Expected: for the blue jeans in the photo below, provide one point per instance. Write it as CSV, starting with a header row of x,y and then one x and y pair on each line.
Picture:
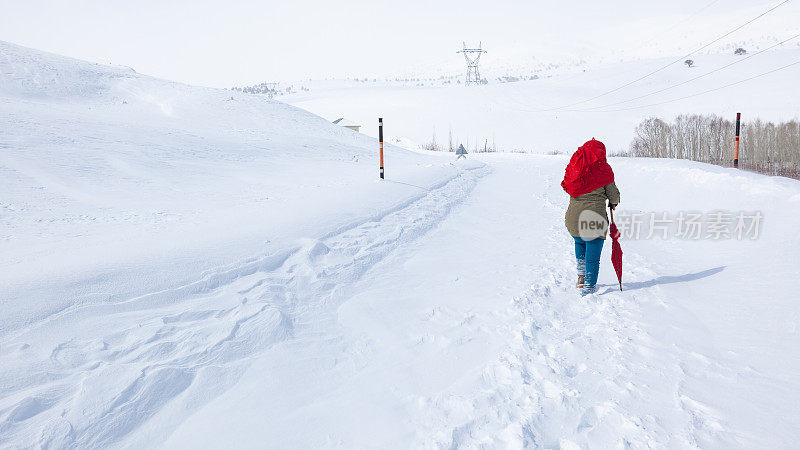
x,y
588,255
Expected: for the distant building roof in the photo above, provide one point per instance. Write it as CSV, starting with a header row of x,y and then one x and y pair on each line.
x,y
346,122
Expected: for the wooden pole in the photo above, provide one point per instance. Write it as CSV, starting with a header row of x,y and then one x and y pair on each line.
x,y
736,145
380,141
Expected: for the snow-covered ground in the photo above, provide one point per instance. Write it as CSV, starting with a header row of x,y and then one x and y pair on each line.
x,y
180,268
473,334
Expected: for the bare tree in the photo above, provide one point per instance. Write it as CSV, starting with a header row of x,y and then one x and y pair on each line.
x,y
765,147
450,146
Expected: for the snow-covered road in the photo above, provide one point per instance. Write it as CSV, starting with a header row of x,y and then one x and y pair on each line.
x,y
448,320
473,335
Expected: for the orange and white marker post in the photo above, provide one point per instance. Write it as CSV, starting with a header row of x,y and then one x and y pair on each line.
x,y
736,145
380,141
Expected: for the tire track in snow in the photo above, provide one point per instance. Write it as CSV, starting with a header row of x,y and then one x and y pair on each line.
x,y
176,349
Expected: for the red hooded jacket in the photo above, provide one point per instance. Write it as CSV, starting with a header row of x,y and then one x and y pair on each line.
x,y
587,169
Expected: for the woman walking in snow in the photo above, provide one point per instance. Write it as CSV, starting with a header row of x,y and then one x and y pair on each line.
x,y
589,181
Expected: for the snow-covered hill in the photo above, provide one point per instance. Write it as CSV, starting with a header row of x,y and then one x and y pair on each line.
x,y
527,115
116,184
184,267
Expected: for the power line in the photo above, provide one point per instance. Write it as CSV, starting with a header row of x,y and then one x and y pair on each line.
x,y
658,34
697,93
675,61
677,24
695,78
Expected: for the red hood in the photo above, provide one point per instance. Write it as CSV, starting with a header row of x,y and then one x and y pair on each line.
x,y
587,169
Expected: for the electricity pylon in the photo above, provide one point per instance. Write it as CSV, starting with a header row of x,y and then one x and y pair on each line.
x,y
473,57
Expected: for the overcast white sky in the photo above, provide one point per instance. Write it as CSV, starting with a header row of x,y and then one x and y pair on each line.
x,y
238,42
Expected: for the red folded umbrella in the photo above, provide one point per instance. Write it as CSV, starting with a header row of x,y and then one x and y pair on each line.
x,y
616,249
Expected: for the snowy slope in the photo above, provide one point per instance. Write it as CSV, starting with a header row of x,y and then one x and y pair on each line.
x,y
521,115
180,269
122,193
117,184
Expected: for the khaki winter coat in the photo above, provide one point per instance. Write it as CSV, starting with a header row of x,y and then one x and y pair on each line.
x,y
592,201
